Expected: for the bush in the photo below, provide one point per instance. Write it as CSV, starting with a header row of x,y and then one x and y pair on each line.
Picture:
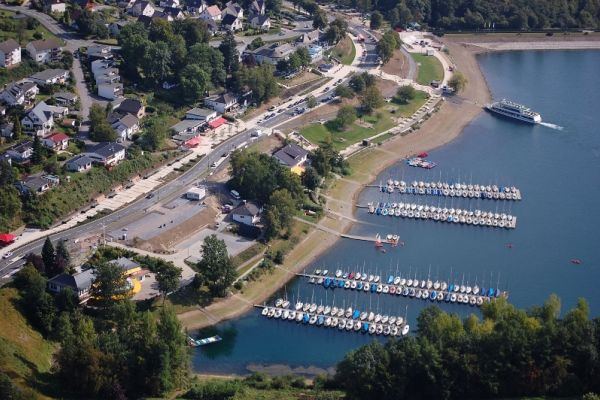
x,y
214,390
238,285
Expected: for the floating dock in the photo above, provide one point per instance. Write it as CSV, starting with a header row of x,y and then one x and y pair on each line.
x,y
348,320
451,215
435,291
445,189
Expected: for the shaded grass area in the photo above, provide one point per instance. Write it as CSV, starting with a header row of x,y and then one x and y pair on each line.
x,y
247,254
345,51
25,356
406,110
429,68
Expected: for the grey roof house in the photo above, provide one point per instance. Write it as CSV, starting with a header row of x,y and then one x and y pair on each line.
x,y
80,283
291,155
79,163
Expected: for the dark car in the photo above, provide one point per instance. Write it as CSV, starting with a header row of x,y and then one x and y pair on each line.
x,y
150,195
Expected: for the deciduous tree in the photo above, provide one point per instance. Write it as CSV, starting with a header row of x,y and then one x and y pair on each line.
x,y
217,271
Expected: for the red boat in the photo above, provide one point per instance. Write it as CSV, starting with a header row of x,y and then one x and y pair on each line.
x,y
423,155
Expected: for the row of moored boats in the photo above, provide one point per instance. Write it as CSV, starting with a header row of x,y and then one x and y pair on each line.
x,y
446,189
453,215
343,319
408,287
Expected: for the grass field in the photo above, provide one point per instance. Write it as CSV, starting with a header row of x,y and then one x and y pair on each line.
x,y
24,354
429,69
345,51
11,28
379,121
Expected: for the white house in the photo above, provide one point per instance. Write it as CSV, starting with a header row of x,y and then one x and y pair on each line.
x,y
202,114
246,213
44,51
107,154
291,155
109,75
79,163
212,13
54,6
142,7
270,53
65,98
169,3
10,53
80,283
40,119
262,22
110,91
233,9
195,7
50,77
221,102
99,52
99,65
126,126
20,94
195,193
257,7
231,23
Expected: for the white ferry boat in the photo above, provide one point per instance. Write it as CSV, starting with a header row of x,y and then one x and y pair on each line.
x,y
515,111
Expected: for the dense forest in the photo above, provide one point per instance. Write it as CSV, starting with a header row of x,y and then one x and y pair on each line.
x,y
508,353
487,14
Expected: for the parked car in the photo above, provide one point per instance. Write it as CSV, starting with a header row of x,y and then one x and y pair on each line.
x,y
150,195
8,254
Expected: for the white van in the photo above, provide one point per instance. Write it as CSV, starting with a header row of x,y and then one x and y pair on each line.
x,y
235,194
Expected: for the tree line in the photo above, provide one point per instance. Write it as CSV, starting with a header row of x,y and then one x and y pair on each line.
x,y
507,353
487,14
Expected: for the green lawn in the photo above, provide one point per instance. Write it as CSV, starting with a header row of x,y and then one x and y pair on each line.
x,y
345,51
381,120
429,69
17,29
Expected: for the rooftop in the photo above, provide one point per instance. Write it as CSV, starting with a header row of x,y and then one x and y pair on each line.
x,y
247,208
47,44
8,46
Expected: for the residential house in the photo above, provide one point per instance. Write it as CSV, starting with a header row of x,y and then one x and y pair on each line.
x,y
44,51
50,77
173,13
85,4
107,154
233,9
133,107
257,7
231,23
126,126
262,22
80,284
20,94
195,7
65,98
309,37
142,7
21,152
246,213
99,65
33,185
99,52
40,119
79,163
187,127
221,102
212,13
56,141
54,6
109,75
291,155
7,130
115,27
169,3
202,114
270,53
10,53
110,91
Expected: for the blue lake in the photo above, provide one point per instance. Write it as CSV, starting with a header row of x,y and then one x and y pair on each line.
x,y
558,172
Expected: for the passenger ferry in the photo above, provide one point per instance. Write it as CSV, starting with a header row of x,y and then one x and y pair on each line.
x,y
516,111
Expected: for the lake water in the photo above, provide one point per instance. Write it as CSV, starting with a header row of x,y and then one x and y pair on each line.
x,y
558,172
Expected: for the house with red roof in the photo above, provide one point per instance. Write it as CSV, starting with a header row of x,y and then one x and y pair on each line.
x,y
57,141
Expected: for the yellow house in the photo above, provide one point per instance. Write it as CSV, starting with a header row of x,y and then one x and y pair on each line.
x,y
129,269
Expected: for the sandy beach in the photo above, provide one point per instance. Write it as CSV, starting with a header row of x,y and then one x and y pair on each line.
x,y
443,127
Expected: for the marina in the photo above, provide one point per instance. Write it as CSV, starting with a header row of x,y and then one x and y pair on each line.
x,y
445,189
409,287
450,215
342,319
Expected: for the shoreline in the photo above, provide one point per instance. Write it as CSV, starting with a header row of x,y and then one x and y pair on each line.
x,y
441,128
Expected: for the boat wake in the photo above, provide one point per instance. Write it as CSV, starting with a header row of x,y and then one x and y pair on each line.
x,y
552,126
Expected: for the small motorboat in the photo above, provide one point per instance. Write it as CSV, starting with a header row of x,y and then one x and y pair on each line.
x,y
575,261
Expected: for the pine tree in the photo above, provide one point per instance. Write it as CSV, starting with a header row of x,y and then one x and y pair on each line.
x,y
63,258
17,129
49,257
38,151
